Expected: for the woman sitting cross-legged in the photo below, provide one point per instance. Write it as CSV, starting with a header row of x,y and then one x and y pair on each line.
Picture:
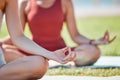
x,y
45,19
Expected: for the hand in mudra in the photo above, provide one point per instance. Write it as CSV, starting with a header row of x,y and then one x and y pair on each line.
x,y
104,40
65,55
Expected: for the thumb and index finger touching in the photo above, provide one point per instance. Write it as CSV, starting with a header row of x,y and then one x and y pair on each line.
x,y
69,55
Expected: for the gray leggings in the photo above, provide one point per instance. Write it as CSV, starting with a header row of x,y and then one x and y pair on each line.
x,y
2,60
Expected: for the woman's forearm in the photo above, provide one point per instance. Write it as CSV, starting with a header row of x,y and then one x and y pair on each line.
x,y
25,44
80,39
28,45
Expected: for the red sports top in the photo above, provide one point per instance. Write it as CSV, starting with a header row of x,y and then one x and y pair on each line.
x,y
46,24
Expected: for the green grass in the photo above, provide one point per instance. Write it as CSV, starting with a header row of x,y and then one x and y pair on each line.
x,y
84,72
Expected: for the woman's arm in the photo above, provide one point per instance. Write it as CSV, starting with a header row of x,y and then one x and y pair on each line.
x,y
75,35
22,6
71,24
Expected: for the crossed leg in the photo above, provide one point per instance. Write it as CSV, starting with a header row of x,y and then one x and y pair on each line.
x,y
24,68
86,54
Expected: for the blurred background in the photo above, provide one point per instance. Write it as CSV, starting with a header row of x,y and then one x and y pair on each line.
x,y
93,18
85,8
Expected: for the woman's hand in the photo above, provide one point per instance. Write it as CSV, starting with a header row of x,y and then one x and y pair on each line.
x,y
64,55
104,40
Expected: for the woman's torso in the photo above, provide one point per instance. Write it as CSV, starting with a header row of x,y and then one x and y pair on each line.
x,y
46,24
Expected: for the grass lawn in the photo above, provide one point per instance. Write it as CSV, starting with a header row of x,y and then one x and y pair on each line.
x,y
92,28
84,72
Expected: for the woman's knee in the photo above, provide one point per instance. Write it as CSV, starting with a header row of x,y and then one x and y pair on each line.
x,y
94,51
29,68
86,54
40,66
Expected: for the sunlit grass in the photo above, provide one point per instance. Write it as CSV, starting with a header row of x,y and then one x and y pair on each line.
x,y
84,72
